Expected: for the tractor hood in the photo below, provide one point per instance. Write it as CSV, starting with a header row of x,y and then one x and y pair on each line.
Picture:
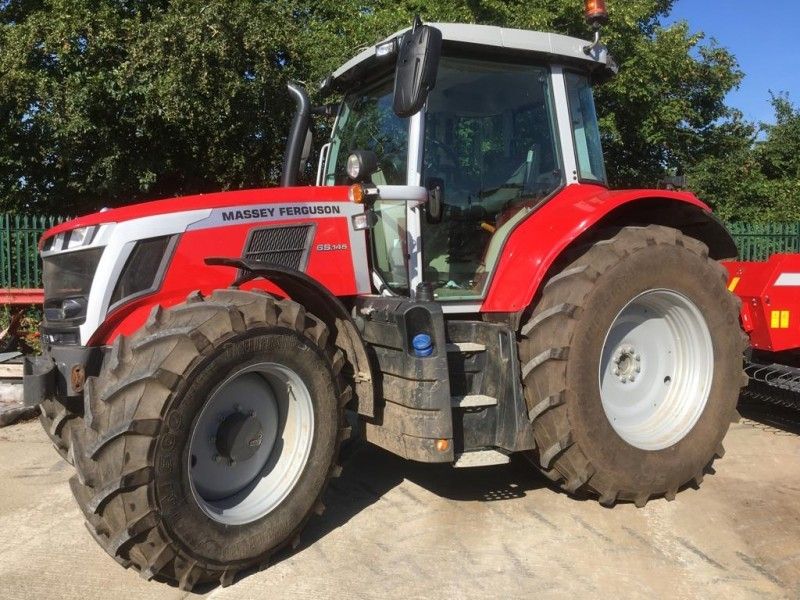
x,y
202,202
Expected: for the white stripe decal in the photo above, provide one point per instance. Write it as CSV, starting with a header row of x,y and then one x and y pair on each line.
x,y
788,280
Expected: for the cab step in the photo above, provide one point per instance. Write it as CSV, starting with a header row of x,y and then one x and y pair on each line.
x,y
480,458
473,401
465,347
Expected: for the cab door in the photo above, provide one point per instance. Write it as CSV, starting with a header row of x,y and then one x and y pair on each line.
x,y
491,149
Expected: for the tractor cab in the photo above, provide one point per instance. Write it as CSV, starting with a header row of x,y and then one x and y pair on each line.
x,y
509,120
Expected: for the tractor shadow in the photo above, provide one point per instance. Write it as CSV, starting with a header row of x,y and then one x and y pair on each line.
x,y
369,473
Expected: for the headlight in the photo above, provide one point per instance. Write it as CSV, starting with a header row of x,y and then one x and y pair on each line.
x,y
361,164
69,240
82,236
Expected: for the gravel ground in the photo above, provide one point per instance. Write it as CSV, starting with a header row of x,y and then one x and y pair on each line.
x,y
396,529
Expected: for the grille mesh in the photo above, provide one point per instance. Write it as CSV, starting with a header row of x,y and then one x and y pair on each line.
x,y
284,246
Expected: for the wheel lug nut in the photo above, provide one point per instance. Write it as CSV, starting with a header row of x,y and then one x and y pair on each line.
x,y
616,372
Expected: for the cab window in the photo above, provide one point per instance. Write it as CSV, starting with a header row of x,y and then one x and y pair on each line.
x,y
490,145
585,130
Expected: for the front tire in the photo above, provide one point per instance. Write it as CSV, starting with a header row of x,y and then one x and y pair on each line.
x,y
632,364
210,437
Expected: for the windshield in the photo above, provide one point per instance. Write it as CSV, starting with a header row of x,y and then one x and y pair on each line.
x,y
367,122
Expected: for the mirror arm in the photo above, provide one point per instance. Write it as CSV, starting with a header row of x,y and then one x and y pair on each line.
x,y
297,135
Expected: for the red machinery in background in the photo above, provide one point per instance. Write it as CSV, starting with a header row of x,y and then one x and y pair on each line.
x,y
770,315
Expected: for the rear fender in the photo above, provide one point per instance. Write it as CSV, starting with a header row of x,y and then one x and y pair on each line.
x,y
581,214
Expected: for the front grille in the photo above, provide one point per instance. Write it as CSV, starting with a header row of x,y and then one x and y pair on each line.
x,y
68,279
283,246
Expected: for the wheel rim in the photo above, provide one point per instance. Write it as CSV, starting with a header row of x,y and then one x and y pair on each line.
x,y
656,369
250,443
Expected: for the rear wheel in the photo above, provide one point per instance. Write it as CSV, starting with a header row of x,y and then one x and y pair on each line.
x,y
632,366
210,437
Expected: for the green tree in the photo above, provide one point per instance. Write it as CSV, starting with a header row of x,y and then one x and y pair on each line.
x,y
754,175
104,102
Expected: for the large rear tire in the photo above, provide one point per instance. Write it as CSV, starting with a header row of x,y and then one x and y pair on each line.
x,y
210,436
632,365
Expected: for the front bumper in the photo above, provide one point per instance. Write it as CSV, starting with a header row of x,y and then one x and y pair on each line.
x,y
60,372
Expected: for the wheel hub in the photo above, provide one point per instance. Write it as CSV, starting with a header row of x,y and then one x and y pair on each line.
x,y
250,443
628,363
239,437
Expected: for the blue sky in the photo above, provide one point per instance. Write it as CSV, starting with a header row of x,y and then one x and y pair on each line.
x,y
765,38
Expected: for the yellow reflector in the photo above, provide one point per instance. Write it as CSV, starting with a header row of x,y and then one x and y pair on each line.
x,y
734,282
442,445
779,319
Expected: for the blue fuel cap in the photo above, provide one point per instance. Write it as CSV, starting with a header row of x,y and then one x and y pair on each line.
x,y
423,345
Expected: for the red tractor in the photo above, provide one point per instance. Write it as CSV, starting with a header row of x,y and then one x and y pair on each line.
x,y
460,278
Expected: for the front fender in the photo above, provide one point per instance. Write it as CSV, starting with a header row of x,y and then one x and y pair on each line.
x,y
537,242
320,302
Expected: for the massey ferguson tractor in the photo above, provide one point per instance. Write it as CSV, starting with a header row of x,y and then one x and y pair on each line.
x,y
461,278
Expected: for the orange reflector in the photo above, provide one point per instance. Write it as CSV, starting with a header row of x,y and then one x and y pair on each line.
x,y
442,445
488,227
734,282
356,194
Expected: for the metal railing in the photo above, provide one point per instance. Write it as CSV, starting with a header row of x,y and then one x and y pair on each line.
x,y
21,267
759,241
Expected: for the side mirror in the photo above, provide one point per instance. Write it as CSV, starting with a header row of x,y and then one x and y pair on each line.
x,y
434,207
417,66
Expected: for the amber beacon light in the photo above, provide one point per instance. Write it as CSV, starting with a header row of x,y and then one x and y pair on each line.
x,y
596,13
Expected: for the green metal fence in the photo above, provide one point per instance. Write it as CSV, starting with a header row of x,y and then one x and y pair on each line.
x,y
20,266
759,241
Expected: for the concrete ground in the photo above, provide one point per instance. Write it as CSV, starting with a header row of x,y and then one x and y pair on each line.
x,y
401,530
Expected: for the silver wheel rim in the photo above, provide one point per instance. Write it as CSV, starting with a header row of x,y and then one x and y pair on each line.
x,y
656,369
250,443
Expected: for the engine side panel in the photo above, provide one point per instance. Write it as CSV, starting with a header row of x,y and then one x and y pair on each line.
x,y
336,256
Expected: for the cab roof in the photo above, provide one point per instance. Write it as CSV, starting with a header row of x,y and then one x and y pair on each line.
x,y
554,47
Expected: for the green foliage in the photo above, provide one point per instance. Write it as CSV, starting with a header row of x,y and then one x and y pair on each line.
x,y
755,173
104,102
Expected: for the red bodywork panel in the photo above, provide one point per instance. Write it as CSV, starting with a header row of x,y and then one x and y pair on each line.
x,y
188,272
770,293
541,238
330,259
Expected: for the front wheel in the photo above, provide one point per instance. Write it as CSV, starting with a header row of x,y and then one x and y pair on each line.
x,y
209,437
632,363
